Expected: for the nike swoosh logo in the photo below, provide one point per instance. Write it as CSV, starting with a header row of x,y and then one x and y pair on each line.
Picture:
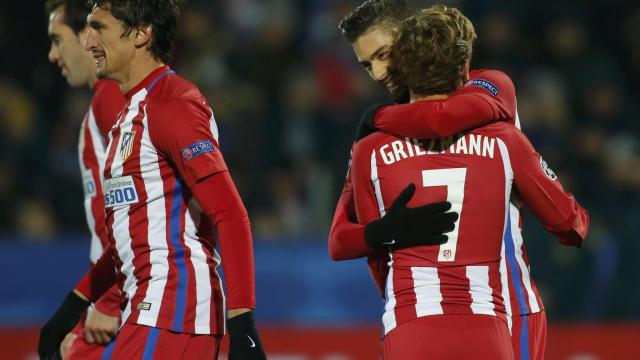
x,y
389,242
253,344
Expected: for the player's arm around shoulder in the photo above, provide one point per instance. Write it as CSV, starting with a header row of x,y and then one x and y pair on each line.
x,y
541,189
488,95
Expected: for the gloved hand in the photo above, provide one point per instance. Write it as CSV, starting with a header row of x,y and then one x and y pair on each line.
x,y
60,324
366,126
403,227
244,341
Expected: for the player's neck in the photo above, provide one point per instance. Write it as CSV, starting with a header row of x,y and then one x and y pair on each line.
x,y
139,69
416,97
92,80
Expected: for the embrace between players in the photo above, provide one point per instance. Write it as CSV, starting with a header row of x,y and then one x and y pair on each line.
x,y
432,199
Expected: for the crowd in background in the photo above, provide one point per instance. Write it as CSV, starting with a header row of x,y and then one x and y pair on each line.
x,y
287,93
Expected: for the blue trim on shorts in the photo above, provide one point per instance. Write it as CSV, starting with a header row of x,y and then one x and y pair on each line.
x,y
153,83
524,338
515,276
150,346
106,355
181,267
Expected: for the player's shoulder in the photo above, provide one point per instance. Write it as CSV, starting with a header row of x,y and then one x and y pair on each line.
x,y
176,88
107,91
177,96
365,145
505,131
493,81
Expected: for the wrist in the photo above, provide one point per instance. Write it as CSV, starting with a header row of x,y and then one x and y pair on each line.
x,y
376,234
241,324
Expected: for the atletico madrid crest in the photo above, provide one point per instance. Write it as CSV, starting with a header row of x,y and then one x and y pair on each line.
x,y
126,145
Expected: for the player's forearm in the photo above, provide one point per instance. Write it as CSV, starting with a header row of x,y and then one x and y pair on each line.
x,y
346,238
236,247
438,118
109,303
221,202
573,230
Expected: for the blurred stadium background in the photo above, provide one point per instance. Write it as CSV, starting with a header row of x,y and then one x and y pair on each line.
x,y
287,93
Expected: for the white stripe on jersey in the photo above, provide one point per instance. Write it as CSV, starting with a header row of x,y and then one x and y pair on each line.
x,y
524,269
97,142
156,227
376,183
389,316
481,292
213,126
198,260
426,285
504,281
508,182
120,225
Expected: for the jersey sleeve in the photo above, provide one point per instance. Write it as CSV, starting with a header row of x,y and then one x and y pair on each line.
x,y
488,96
220,201
186,134
346,238
541,191
108,101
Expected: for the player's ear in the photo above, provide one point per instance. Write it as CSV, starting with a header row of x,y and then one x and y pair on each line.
x,y
142,35
465,71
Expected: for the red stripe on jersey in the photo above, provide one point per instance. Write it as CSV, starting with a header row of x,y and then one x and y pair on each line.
x,y
403,289
454,286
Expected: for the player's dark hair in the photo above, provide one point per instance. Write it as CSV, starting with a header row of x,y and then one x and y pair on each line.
x,y
162,15
372,13
75,12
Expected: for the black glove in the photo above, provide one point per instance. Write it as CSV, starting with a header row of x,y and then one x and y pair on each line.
x,y
244,342
62,322
366,125
403,227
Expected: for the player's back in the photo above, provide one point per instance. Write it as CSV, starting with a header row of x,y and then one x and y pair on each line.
x,y
464,275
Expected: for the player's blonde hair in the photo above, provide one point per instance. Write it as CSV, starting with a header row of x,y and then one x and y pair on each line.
x,y
432,49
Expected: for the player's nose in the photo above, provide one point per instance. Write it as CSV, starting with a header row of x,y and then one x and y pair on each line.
x,y
53,54
379,71
90,40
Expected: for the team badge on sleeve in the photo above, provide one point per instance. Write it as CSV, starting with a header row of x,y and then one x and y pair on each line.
x,y
547,170
126,144
197,149
485,84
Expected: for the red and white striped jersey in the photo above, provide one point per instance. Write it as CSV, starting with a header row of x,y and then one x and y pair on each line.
x,y
477,172
488,95
164,141
106,103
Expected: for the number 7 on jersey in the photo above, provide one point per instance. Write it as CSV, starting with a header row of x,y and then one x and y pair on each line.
x,y
454,180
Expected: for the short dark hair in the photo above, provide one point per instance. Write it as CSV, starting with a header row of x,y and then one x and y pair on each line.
x,y
75,12
162,15
371,13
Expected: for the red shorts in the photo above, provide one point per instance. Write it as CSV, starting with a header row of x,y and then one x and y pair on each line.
x,y
449,337
80,350
529,336
149,343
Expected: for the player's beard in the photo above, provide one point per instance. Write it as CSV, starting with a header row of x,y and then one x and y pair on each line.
x,y
400,95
